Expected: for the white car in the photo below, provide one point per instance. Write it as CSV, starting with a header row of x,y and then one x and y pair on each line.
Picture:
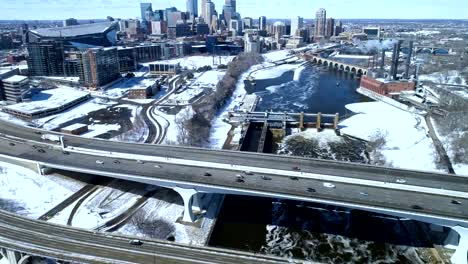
x,y
99,162
329,185
401,181
158,166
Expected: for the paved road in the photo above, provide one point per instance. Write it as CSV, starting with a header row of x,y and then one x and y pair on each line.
x,y
71,244
223,180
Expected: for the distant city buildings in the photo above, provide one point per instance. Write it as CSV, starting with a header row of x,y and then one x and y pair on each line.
x,y
330,28
70,22
297,23
320,23
192,7
262,23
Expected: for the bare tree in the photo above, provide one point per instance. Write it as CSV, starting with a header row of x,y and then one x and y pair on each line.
x,y
376,144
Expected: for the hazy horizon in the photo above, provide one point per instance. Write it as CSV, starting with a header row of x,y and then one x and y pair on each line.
x,y
278,9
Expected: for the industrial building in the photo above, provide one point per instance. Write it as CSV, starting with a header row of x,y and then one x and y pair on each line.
x,y
99,66
386,87
75,129
15,87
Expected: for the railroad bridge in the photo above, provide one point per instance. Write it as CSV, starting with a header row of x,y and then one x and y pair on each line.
x,y
337,65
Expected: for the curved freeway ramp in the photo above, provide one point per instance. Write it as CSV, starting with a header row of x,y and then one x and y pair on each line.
x,y
40,238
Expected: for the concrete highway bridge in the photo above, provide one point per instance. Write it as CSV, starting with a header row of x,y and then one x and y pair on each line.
x,y
337,65
429,197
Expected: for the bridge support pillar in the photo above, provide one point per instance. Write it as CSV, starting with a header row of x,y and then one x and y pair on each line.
x,y
301,121
337,119
14,257
191,200
41,169
461,254
319,121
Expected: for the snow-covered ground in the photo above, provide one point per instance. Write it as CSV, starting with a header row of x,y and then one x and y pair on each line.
x,y
460,168
407,146
449,77
95,130
52,122
27,193
274,72
195,62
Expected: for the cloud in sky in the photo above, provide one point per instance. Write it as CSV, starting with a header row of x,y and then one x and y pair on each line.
x,y
414,9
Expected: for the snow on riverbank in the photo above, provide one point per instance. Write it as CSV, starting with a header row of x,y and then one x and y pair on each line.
x,y
274,72
194,62
407,143
448,77
27,193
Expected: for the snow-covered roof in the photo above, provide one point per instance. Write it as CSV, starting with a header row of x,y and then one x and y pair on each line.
x,y
49,99
73,31
15,79
74,127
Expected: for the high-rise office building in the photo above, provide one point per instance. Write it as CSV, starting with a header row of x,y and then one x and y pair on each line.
x,y
338,28
70,22
145,8
229,11
45,58
262,21
330,28
192,7
279,30
320,22
248,22
99,66
296,24
209,10
203,9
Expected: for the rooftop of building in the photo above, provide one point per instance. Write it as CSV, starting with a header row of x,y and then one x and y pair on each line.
x,y
73,31
15,79
74,127
48,99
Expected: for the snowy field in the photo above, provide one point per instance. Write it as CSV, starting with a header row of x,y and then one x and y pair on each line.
x,y
195,62
408,145
27,193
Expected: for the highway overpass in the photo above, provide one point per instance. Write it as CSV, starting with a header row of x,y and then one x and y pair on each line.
x,y
21,238
430,197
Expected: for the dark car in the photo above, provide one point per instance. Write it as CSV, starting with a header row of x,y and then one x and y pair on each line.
x,y
295,168
12,144
311,190
265,178
207,174
416,207
41,151
136,242
456,202
66,153
294,178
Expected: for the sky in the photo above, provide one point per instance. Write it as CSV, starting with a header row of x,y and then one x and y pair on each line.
x,y
341,9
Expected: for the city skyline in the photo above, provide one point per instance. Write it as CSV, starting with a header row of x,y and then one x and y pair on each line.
x,y
397,9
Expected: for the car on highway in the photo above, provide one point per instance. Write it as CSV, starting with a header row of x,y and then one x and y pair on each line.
x,y
311,190
294,178
296,168
329,185
416,207
135,242
12,144
364,194
116,161
41,151
99,162
456,202
140,162
247,173
207,174
158,166
65,153
402,181
38,132
265,178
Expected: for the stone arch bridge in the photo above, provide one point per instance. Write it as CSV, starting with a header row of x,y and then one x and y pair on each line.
x,y
332,64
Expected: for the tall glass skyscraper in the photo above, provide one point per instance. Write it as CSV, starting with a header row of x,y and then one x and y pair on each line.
x,y
320,22
145,7
192,7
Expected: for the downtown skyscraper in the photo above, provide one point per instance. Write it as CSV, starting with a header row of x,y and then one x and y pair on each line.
x,y
320,23
297,23
192,7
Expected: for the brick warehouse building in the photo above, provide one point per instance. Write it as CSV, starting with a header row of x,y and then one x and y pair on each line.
x,y
385,87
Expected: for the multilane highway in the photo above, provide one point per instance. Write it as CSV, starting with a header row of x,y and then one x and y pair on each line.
x,y
40,238
423,194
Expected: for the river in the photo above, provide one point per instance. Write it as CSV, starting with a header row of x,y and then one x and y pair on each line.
x,y
310,231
